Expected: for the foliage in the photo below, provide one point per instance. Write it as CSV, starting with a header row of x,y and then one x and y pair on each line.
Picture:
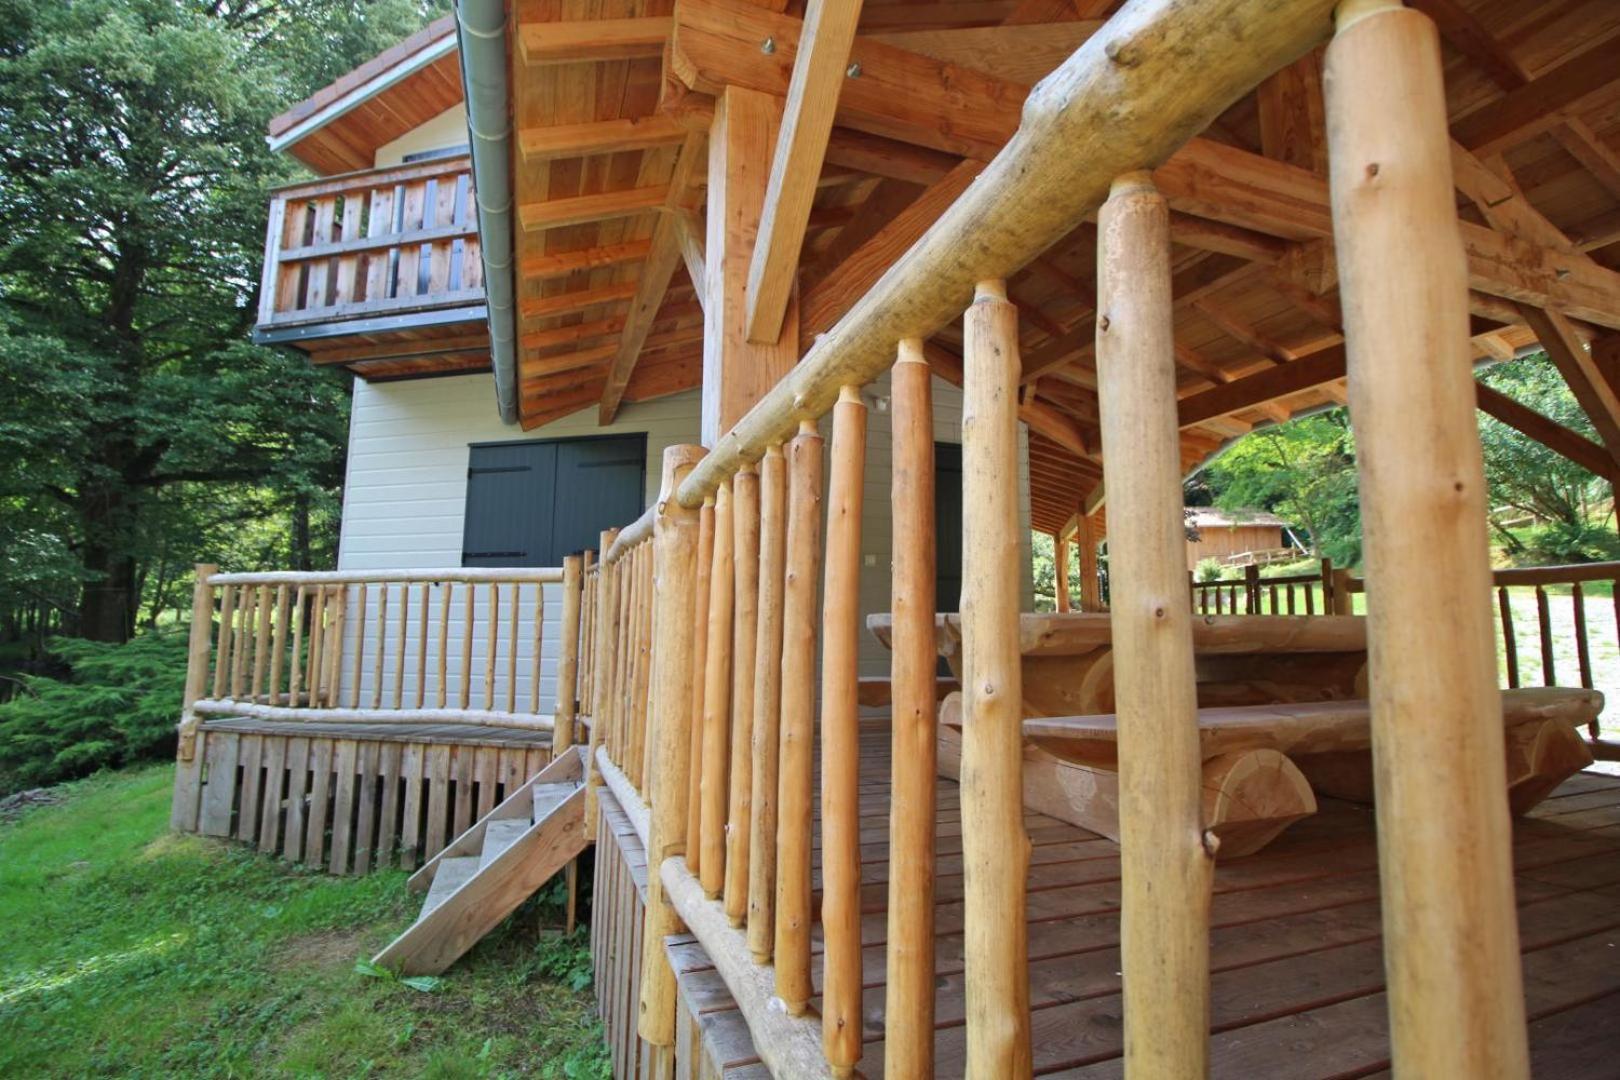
x,y
119,704
1209,569
1305,472
125,951
1567,542
1526,476
133,192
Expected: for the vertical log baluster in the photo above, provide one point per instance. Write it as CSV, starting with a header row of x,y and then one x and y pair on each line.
x,y
537,660
674,549
797,766
700,654
222,645
261,643
1451,941
512,651
1549,672
241,639
299,614
644,650
840,739
332,666
317,645
1510,647
744,641
360,644
604,670
1166,873
767,704
995,848
278,645
492,645
469,617
380,669
908,1044
717,699
444,643
1583,650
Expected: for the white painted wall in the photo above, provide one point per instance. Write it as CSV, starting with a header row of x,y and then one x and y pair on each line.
x,y
405,498
447,129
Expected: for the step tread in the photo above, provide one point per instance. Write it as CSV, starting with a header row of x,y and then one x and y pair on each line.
x,y
547,797
452,875
500,835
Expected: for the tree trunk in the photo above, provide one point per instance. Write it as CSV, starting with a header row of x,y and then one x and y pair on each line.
x,y
300,536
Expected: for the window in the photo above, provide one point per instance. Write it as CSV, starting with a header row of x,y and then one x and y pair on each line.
x,y
532,503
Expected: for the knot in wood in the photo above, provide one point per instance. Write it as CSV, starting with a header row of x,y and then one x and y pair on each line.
x,y
1121,52
1102,323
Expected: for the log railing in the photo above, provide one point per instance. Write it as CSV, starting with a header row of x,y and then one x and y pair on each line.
x,y
1324,593
1455,994
377,647
383,241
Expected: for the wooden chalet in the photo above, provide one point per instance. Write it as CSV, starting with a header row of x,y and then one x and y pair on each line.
x,y
715,360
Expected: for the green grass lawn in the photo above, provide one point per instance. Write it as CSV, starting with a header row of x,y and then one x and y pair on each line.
x,y
128,951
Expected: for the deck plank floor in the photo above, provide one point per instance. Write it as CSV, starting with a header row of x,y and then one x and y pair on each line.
x,y
1296,954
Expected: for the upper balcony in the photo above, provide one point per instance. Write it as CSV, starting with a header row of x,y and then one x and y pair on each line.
x,y
378,270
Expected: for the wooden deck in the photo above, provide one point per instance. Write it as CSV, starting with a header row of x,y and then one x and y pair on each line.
x,y
1297,985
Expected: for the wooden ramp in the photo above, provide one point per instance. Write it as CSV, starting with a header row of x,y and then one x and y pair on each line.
x,y
487,871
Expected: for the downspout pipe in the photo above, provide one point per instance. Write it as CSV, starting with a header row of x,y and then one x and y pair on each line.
x,y
481,38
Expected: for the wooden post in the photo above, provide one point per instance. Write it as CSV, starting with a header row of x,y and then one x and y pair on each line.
x,y
1060,573
908,1044
1085,538
995,848
793,802
767,703
202,617
700,662
605,605
1166,873
716,699
222,647
675,542
278,645
841,739
744,634
1451,942
562,732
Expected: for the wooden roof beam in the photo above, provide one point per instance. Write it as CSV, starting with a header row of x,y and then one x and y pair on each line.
x,y
1554,436
541,144
564,263
653,283
566,303
1586,379
592,40
1538,105
819,71
584,209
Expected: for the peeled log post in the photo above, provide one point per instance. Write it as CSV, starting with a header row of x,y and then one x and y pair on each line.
x,y
568,662
675,543
603,648
717,700
744,631
767,703
794,783
1060,573
995,848
841,741
700,654
908,1044
1085,538
1451,943
1165,872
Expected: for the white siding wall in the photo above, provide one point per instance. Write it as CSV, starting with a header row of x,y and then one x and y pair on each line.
x,y
447,129
406,492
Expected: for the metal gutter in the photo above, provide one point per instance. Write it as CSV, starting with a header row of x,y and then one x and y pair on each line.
x,y
481,37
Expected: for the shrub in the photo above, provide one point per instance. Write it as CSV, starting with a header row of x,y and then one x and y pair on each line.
x,y
1209,569
1563,542
120,704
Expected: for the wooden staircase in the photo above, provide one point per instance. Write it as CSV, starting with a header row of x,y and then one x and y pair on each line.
x,y
487,871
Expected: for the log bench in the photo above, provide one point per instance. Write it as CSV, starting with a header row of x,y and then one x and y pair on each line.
x,y
1282,718
1264,765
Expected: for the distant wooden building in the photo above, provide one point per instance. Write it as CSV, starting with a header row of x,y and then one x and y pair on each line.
x,y
1223,534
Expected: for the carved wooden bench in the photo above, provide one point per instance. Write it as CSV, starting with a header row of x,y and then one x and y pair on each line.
x,y
1282,715
1265,764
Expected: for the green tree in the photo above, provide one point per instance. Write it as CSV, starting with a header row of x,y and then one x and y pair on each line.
x,y
1303,471
1523,474
132,206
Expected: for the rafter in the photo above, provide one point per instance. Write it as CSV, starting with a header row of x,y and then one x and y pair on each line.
x,y
541,144
566,303
592,40
584,209
594,258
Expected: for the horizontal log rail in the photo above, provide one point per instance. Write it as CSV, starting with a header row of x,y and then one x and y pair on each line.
x,y
432,646
372,243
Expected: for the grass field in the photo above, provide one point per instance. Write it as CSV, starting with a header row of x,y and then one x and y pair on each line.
x,y
127,951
